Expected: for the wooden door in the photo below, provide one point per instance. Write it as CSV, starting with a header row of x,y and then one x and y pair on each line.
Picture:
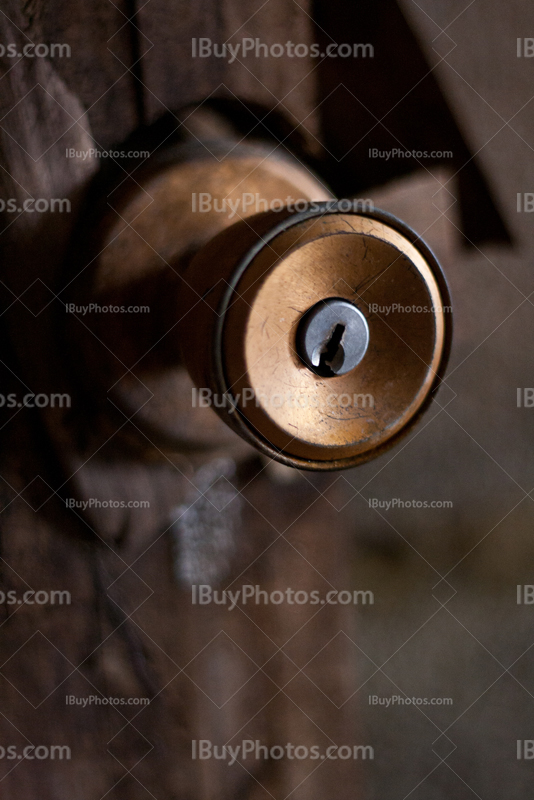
x,y
114,543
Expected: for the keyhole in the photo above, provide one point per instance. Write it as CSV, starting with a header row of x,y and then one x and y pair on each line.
x,y
332,354
332,337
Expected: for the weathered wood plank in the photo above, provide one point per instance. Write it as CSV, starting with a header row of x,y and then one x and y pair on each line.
x,y
174,77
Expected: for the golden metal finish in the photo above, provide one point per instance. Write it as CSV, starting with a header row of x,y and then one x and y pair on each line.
x,y
135,255
280,404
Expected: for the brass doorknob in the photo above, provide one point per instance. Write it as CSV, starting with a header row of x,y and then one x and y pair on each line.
x,y
320,336
316,329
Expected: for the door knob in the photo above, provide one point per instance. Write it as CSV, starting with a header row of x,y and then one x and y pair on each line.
x,y
317,329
